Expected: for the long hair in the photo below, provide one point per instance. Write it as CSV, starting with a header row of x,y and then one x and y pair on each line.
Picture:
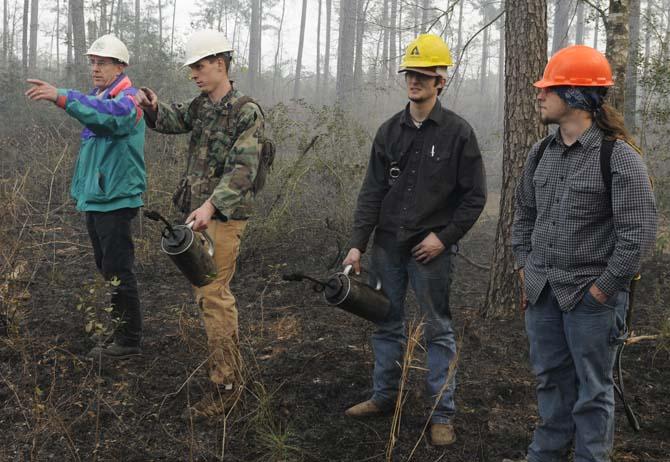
x,y
610,121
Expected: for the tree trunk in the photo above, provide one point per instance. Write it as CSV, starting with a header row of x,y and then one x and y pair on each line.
x,y
501,67
103,16
318,55
596,30
92,28
385,37
579,28
417,18
34,25
117,31
648,32
5,34
326,54
525,58
69,59
630,102
483,70
393,50
235,24
137,44
174,14
110,19
254,35
160,24
301,42
78,39
275,76
24,42
361,9
400,29
562,15
425,16
345,52
58,37
459,42
617,48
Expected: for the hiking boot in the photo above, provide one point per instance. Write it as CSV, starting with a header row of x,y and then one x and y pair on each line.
x,y
365,409
515,460
212,404
442,434
114,351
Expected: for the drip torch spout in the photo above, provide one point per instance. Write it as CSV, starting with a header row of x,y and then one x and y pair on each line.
x,y
155,216
319,286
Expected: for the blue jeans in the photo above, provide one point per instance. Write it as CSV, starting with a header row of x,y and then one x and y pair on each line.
x,y
572,355
395,267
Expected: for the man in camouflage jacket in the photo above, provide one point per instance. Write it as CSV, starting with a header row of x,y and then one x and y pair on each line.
x,y
218,192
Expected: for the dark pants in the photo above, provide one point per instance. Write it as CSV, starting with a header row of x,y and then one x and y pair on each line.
x,y
114,252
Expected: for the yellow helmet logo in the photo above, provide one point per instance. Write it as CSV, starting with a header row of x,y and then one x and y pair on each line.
x,y
427,50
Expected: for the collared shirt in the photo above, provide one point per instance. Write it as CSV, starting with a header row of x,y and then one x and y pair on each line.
x,y
440,187
568,232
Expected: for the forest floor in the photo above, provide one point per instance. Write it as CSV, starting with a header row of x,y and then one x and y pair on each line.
x,y
306,363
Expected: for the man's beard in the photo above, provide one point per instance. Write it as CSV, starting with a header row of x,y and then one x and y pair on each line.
x,y
418,99
548,120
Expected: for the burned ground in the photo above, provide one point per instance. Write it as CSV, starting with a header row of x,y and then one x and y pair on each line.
x,y
305,364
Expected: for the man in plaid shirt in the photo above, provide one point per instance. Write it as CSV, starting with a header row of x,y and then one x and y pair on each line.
x,y
578,239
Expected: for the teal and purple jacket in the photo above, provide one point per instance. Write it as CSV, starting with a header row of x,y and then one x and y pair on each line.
x,y
110,172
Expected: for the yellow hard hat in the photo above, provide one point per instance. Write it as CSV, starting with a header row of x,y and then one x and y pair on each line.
x,y
427,50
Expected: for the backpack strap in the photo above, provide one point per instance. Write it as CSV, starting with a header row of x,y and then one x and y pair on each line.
x,y
606,149
235,110
543,147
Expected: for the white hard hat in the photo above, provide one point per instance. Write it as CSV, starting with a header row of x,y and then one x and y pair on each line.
x,y
110,47
205,43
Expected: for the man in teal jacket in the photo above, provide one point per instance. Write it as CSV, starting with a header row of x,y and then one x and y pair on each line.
x,y
109,179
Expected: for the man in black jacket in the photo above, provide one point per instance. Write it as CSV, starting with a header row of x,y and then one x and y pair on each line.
x,y
424,189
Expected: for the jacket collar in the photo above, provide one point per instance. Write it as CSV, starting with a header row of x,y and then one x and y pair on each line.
x,y
122,82
437,115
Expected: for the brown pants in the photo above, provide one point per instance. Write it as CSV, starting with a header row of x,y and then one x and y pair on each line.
x,y
217,303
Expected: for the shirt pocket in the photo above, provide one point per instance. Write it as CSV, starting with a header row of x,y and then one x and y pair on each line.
x,y
587,200
436,168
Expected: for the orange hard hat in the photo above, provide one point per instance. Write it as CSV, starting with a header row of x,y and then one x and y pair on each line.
x,y
579,66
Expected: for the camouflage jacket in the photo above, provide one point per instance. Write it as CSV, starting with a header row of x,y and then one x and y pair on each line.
x,y
223,160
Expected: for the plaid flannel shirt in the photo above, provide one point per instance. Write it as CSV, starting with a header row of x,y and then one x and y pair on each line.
x,y
567,232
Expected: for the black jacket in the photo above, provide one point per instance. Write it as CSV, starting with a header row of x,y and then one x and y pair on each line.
x,y
441,187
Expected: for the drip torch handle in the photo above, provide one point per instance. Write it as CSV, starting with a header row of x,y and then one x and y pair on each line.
x,y
207,237
348,268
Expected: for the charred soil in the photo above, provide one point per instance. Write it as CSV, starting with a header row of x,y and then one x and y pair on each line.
x,y
305,363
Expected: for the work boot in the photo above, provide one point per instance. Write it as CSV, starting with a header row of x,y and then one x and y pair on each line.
x,y
213,403
442,434
114,351
365,409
